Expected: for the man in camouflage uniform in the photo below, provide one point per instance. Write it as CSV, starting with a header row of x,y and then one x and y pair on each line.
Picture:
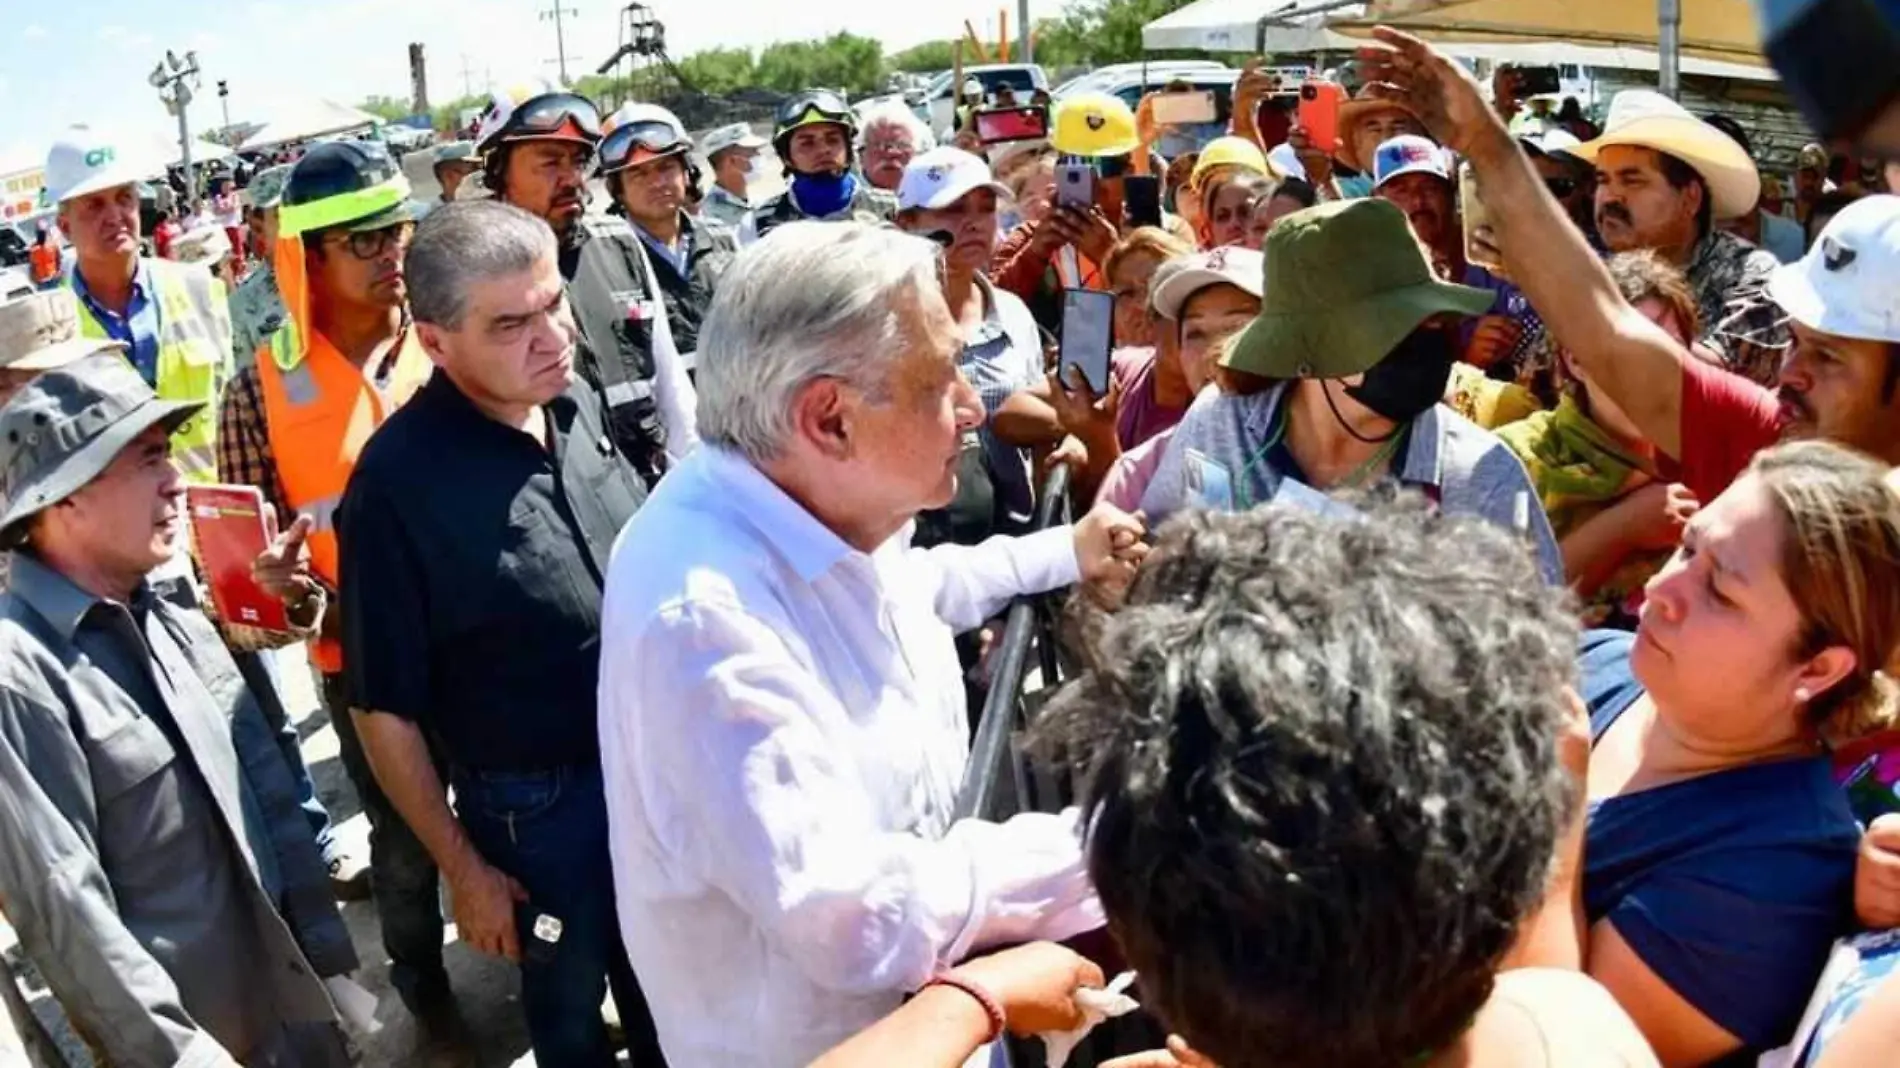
x,y
257,309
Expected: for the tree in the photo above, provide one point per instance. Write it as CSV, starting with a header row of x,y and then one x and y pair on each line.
x,y
720,71
1096,33
387,108
927,58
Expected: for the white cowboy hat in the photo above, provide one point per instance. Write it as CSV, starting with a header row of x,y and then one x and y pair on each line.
x,y
1647,119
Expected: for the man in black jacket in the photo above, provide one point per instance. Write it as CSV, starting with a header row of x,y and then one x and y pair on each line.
x,y
537,148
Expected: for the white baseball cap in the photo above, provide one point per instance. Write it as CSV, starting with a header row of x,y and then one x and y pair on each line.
x,y
941,177
83,162
1408,154
1848,284
1178,279
738,135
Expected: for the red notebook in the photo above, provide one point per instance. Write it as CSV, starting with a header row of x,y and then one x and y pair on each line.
x,y
227,529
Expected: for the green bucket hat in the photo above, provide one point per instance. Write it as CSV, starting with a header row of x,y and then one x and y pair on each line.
x,y
1346,282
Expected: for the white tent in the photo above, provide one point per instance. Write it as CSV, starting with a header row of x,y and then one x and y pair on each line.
x,y
1236,26
311,119
1712,29
1606,57
165,150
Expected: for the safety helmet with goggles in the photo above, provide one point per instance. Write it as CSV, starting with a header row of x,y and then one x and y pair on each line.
x,y
639,134
353,186
817,107
552,116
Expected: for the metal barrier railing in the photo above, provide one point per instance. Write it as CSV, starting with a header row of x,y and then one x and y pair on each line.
x,y
1000,781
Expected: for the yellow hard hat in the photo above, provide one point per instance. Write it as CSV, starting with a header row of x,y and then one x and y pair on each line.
x,y
1230,152
1093,124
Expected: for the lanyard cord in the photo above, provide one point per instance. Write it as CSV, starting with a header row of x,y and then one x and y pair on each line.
x,y
1277,433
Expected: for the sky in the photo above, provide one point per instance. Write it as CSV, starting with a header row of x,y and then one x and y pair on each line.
x,y
87,60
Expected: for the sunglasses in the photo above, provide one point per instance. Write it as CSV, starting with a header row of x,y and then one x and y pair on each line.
x,y
1560,187
368,244
829,106
658,138
546,114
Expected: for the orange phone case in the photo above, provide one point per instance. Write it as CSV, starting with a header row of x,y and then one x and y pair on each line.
x,y
1319,113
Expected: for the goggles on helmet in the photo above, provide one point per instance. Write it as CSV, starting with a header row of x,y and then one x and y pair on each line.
x,y
810,109
639,142
553,115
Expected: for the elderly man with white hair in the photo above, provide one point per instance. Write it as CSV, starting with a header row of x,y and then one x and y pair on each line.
x,y
889,136
783,727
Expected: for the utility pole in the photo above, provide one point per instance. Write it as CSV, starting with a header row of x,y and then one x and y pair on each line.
x,y
175,82
468,86
560,40
1025,33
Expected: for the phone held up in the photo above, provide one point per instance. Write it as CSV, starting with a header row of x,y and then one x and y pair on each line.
x,y
1537,81
1075,185
1088,328
1141,199
1476,215
1186,109
1319,112
995,126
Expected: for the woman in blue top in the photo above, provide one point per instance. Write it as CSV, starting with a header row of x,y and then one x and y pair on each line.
x,y
1719,862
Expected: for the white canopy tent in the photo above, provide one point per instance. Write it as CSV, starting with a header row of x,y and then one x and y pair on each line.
x,y
1249,26
310,119
1720,30
165,150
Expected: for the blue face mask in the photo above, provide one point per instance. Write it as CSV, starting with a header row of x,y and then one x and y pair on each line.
x,y
821,195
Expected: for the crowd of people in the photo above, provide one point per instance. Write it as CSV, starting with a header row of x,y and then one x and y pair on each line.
x,y
1488,626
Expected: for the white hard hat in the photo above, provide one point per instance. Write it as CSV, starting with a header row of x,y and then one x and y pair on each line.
x,y
638,112
1845,284
503,100
972,87
83,162
738,135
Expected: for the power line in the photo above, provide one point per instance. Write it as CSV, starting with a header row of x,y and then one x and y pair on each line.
x,y
560,40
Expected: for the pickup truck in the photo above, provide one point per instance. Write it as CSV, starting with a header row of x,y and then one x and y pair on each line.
x,y
936,103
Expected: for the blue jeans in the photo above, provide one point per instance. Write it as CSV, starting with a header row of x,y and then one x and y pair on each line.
x,y
548,829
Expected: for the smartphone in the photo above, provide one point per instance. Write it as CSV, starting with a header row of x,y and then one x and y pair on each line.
x,y
1537,81
1319,112
228,534
1471,208
1088,334
999,125
1185,109
1075,186
1141,199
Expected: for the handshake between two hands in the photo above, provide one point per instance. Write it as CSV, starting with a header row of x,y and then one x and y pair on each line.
x,y
1109,549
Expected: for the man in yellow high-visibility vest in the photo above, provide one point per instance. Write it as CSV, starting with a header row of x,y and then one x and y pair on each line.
x,y
172,318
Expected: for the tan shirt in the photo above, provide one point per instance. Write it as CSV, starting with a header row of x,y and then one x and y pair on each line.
x,y
1548,1018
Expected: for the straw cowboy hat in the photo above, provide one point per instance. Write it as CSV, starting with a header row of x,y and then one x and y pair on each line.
x,y
1645,118
1361,107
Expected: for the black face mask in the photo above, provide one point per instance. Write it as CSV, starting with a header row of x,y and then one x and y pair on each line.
x,y
1411,378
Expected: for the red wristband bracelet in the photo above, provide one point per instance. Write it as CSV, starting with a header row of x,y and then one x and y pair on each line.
x,y
992,1007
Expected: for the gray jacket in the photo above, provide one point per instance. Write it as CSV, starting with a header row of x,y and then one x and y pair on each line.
x,y
1463,468
152,854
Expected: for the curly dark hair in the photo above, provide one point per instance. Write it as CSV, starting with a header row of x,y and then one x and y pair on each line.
x,y
1319,760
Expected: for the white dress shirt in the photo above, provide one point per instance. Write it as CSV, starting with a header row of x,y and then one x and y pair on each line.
x,y
783,732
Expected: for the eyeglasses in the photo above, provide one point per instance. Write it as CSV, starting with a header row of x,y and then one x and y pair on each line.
x,y
369,244
896,148
658,138
1560,187
547,113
